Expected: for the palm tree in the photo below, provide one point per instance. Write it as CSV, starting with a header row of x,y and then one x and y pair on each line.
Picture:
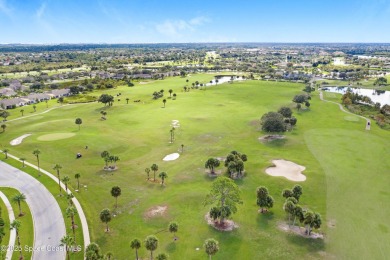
x,y
69,197
289,207
70,213
135,244
66,180
116,192
109,255
37,152
3,126
105,216
35,108
58,167
182,148
5,151
163,175
170,92
22,111
174,95
23,160
77,176
18,198
173,227
162,256
78,122
154,168
211,247
47,105
211,163
147,170
16,226
164,101
127,100
151,244
68,242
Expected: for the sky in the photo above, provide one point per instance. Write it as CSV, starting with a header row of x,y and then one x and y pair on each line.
x,y
182,21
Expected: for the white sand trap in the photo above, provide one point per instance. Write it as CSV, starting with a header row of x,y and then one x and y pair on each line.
x,y
171,157
175,123
287,169
19,140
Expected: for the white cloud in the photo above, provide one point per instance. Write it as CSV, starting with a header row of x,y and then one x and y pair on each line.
x,y
41,11
5,9
176,27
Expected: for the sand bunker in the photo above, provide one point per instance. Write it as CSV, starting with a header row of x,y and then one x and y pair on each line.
x,y
156,211
56,136
287,169
171,157
175,123
19,140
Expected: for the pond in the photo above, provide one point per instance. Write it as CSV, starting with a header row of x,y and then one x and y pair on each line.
x,y
382,97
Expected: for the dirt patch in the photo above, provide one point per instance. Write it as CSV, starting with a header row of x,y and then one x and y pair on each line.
x,y
269,138
19,140
227,225
156,211
300,231
287,169
213,175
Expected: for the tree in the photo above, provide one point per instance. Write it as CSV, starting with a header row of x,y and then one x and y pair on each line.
x,y
77,176
147,170
154,168
300,98
71,212
92,252
264,200
109,255
18,198
58,167
298,213
22,160
162,256
35,108
174,95
3,126
4,114
235,163
151,244
127,100
135,244
272,122
225,193
285,111
22,111
37,152
211,247
297,191
289,207
105,155
78,122
170,92
66,180
287,193
116,192
16,226
5,151
105,217
164,101
163,176
173,228
68,242
106,99
211,164
215,213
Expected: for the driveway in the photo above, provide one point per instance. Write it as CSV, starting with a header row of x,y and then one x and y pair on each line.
x,y
49,225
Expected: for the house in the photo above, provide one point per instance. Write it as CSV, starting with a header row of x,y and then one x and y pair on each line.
x,y
56,93
7,92
13,102
38,97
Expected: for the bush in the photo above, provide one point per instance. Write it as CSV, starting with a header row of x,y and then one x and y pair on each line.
x,y
273,122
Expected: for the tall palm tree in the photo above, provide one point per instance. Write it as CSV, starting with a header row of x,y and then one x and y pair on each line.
x,y
22,111
170,92
151,244
147,170
173,228
58,167
3,126
16,226
22,160
154,168
109,255
5,151
105,216
70,213
37,152
18,198
66,180
164,101
135,244
77,176
78,122
211,247
68,242
163,175
116,192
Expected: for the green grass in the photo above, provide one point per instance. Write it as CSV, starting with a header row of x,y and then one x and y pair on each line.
x,y
52,186
213,122
26,232
5,241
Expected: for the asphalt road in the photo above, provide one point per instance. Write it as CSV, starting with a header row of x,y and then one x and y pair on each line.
x,y
49,225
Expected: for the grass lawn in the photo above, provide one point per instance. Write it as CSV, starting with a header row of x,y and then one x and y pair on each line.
x,y
212,123
26,232
5,241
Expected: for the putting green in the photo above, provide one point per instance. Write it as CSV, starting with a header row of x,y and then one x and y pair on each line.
x,y
56,136
351,118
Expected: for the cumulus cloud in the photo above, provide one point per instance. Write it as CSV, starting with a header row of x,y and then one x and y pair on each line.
x,y
176,27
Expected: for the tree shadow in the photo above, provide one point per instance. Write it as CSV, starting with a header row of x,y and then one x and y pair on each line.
x,y
264,219
276,143
312,245
171,247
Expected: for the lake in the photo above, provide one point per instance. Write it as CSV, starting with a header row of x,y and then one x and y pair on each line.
x,y
382,98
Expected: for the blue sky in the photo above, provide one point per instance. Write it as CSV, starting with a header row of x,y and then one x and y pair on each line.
x,y
153,21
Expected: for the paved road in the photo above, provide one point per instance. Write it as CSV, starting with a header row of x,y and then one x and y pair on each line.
x,y
49,225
